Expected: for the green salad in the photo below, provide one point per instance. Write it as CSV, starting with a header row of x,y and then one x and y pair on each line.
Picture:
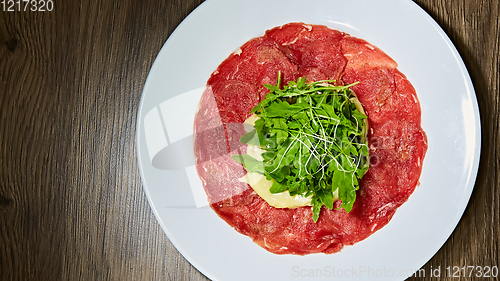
x,y
313,138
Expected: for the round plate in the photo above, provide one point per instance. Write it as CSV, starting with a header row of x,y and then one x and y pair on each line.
x,y
450,117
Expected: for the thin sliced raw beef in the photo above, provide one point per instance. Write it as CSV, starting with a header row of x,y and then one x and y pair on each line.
x,y
396,140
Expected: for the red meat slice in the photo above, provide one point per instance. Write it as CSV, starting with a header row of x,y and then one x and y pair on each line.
x,y
363,55
311,46
257,62
397,142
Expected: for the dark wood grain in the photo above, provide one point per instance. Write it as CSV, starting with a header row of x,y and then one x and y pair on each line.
x,y
474,28
71,199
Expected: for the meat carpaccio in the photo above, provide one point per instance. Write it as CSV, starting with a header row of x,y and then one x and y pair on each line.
x,y
396,140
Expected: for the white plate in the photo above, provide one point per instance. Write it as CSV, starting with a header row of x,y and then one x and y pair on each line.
x,y
450,117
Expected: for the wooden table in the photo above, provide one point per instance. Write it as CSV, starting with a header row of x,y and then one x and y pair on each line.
x,y
72,204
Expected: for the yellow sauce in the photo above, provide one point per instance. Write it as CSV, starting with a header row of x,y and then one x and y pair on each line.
x,y
261,185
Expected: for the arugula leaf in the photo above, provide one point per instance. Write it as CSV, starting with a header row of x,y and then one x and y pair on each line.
x,y
278,187
251,138
316,209
251,164
313,140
